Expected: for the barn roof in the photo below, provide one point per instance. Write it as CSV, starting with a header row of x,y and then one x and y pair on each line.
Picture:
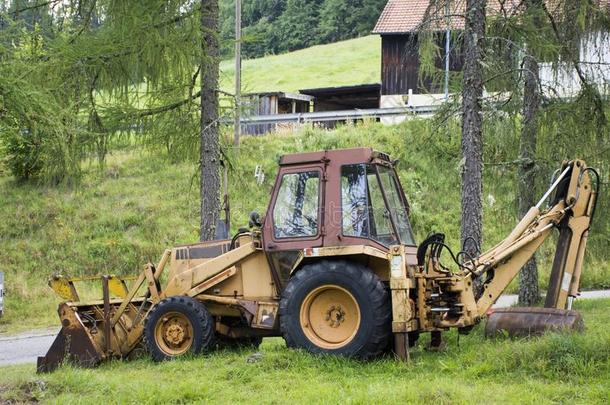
x,y
404,16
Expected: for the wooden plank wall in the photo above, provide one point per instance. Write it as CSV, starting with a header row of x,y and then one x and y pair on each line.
x,y
269,105
261,105
400,64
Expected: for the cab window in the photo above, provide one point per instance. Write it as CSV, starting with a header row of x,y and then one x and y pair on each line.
x,y
297,204
372,205
398,211
364,213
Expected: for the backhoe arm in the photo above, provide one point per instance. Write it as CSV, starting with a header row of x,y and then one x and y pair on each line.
x,y
571,211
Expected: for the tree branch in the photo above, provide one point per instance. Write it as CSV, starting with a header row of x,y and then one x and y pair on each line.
x,y
15,13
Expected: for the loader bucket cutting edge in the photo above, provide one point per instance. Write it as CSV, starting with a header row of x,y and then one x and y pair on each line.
x,y
73,343
521,322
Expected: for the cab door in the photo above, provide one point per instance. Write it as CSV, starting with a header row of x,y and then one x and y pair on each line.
x,y
295,217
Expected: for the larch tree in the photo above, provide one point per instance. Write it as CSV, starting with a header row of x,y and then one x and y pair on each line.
x,y
210,146
529,49
101,69
545,42
529,293
93,67
472,126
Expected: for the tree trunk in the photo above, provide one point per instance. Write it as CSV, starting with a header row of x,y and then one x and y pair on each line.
x,y
209,148
529,293
472,121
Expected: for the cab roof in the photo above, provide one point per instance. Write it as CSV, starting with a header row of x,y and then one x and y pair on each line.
x,y
337,156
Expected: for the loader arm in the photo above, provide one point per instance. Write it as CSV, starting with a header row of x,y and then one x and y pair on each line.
x,y
571,210
198,278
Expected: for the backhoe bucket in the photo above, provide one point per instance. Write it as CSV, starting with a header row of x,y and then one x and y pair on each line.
x,y
521,322
74,343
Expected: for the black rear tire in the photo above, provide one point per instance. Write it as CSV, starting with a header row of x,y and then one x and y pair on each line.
x,y
372,334
202,322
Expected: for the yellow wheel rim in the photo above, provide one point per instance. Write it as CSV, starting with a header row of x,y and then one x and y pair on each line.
x,y
330,317
174,333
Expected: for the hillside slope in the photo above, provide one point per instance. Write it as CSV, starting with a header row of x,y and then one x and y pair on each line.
x,y
356,61
126,216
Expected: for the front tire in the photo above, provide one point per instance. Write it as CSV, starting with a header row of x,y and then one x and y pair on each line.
x,y
336,307
177,326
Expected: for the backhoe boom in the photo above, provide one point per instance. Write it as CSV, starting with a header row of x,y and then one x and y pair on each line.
x,y
570,211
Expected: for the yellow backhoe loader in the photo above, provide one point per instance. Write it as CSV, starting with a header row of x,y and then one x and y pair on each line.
x,y
332,268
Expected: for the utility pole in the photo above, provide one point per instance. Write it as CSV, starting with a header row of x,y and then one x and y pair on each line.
x,y
447,47
237,72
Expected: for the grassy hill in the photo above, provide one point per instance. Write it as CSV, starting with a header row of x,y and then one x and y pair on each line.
x,y
356,61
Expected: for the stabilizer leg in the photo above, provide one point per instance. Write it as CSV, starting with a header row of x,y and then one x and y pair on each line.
x,y
401,346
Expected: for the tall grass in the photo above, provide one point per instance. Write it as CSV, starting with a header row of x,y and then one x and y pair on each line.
x,y
556,368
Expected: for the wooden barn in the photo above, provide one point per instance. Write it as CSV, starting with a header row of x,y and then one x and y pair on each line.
x,y
270,103
361,96
399,25
402,22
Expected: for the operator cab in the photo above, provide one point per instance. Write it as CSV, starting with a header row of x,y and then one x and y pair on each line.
x,y
337,198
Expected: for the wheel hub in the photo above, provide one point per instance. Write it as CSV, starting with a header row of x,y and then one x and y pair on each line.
x,y
330,316
174,334
335,316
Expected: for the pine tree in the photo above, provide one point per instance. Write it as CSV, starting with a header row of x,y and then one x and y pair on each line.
x,y
298,25
335,16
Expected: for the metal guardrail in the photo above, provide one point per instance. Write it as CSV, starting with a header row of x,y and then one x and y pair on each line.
x,y
342,115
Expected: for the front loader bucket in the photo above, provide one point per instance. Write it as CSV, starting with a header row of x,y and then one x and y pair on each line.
x,y
518,322
74,343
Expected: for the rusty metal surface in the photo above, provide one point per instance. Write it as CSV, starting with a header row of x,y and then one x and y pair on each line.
x,y
401,346
531,321
73,343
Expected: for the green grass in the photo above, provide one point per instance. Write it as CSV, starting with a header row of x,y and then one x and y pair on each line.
x,y
124,217
556,368
356,61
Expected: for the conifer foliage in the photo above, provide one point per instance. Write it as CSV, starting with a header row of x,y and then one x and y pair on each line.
x,y
74,74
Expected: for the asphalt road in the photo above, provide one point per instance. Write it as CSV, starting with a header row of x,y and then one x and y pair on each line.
x,y
26,347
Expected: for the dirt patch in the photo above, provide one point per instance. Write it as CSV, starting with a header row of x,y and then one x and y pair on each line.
x,y
25,393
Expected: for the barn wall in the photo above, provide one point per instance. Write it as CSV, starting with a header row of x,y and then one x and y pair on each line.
x,y
400,65
261,105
